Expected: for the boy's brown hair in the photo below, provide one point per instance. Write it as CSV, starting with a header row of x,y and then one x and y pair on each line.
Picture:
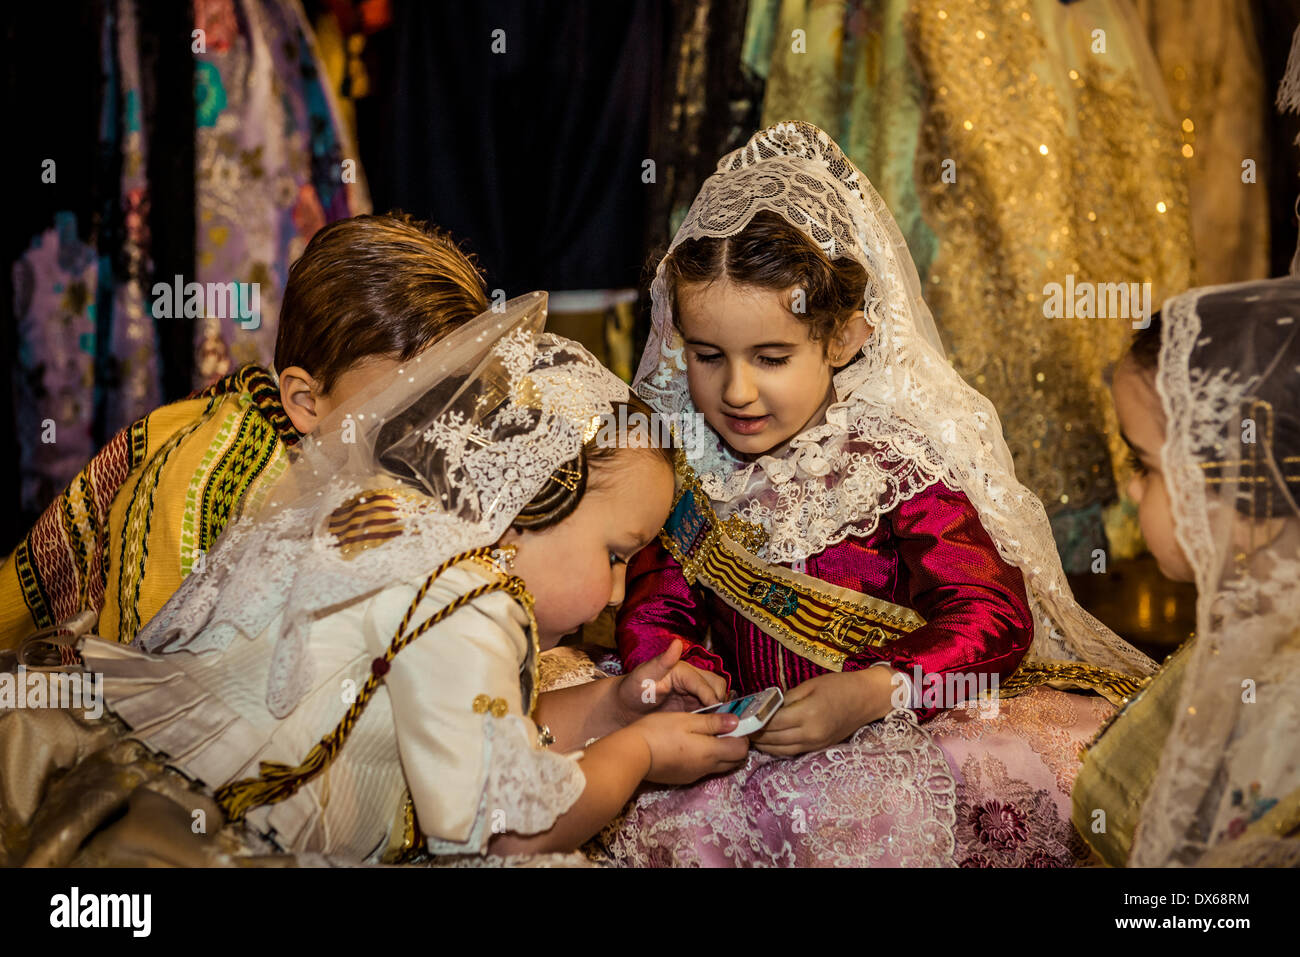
x,y
382,285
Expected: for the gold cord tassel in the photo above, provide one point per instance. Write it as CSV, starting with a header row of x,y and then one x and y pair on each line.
x,y
277,782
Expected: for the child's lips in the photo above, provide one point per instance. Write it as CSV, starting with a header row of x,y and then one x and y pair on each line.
x,y
746,425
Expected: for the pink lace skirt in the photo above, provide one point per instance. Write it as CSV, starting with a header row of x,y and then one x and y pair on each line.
x,y
964,790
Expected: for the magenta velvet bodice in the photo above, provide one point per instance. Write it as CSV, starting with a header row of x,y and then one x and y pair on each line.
x,y
930,554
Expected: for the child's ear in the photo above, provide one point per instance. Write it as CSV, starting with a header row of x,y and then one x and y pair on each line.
x,y
299,393
848,339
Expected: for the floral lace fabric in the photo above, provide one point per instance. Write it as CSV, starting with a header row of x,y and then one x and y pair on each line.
x,y
884,798
1015,770
963,790
527,787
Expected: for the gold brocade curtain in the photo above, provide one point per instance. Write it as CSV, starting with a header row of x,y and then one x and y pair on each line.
x,y
1065,159
1211,65
843,65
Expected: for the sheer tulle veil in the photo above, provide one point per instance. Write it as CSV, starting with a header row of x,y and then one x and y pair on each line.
x,y
1227,788
459,440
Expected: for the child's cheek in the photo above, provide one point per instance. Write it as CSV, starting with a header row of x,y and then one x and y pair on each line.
x,y
1157,521
703,383
591,590
1148,520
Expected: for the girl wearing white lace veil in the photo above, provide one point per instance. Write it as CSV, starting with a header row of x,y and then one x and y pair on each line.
x,y
862,510
1203,767
354,672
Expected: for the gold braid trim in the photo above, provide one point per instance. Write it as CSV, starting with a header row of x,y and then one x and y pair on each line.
x,y
409,845
278,782
819,621
1112,685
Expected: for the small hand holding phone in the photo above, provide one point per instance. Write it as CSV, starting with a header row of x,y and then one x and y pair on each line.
x,y
753,710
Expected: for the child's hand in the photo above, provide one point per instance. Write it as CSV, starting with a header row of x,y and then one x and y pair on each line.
x,y
825,710
666,683
686,747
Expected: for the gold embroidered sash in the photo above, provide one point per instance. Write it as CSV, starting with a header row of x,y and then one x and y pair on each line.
x,y
821,622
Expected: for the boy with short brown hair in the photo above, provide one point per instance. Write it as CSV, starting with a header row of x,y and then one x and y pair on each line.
x,y
368,293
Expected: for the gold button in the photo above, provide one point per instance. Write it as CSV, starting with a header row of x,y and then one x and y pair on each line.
x,y
499,707
482,703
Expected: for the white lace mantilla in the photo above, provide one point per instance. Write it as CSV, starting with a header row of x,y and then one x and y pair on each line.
x,y
902,419
1229,773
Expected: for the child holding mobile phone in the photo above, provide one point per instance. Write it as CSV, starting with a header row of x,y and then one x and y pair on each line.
x,y
851,530
355,673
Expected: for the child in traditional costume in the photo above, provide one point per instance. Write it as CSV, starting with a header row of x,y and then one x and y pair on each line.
x,y
1203,766
354,674
849,527
146,510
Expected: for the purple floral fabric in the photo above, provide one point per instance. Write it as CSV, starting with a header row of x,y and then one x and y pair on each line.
x,y
274,164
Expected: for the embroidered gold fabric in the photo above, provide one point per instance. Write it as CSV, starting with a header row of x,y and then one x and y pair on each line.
x,y
1115,687
1121,763
408,845
1066,162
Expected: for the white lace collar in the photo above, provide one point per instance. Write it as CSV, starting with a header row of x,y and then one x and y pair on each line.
x,y
831,480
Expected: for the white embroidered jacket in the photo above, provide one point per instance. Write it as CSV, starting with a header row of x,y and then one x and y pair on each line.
x,y
470,771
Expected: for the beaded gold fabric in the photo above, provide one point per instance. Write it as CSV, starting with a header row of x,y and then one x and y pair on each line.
x,y
1066,161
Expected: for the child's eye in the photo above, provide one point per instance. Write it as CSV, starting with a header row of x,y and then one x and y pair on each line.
x,y
708,356
614,560
1135,463
774,360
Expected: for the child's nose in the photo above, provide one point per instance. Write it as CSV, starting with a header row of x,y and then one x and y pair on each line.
x,y
739,389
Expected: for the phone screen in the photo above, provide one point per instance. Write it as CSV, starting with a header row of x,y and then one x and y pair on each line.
x,y
735,706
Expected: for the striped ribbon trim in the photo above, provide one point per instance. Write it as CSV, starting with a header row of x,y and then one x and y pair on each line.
x,y
821,622
366,520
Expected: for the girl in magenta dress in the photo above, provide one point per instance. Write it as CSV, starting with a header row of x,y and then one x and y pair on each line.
x,y
849,528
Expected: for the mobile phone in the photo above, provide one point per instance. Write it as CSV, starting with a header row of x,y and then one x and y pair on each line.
x,y
753,710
